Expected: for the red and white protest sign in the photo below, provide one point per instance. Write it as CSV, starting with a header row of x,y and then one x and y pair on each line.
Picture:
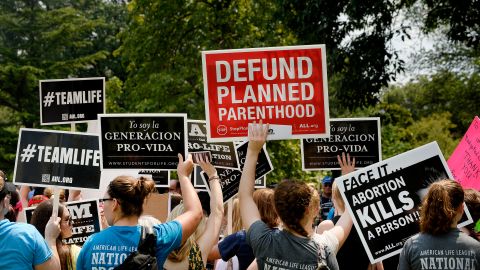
x,y
284,86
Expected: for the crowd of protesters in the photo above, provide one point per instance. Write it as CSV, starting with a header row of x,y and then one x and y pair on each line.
x,y
273,228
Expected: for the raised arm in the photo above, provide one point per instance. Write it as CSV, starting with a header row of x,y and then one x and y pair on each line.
x,y
212,229
257,135
344,224
193,209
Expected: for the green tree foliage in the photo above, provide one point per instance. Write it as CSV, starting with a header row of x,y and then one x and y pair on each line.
x,y
162,48
49,39
460,17
357,35
442,92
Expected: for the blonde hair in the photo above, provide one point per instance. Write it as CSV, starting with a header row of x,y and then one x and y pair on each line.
x,y
179,254
264,199
237,224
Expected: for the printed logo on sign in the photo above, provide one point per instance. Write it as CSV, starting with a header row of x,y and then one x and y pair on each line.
x,y
45,178
222,130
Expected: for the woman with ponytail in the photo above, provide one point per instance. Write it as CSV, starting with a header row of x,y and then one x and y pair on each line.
x,y
297,205
123,205
193,254
440,244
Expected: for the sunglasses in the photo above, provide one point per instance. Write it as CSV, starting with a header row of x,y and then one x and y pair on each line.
x,y
69,220
105,199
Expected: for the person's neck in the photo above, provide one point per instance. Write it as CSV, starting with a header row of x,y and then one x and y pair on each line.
x,y
307,227
126,221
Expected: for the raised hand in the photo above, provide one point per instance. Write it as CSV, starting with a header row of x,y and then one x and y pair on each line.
x,y
206,166
346,164
257,135
184,168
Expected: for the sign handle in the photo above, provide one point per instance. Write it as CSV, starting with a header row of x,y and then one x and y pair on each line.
x,y
56,202
229,217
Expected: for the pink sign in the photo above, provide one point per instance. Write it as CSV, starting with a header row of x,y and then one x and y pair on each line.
x,y
464,163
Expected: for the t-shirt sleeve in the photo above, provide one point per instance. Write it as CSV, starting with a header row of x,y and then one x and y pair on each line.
x,y
329,239
81,255
42,251
169,237
259,237
228,247
403,263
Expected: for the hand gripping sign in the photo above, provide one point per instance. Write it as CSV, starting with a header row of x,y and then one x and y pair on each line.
x,y
284,86
384,198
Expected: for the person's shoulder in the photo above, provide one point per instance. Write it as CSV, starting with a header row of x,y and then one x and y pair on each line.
x,y
23,228
467,239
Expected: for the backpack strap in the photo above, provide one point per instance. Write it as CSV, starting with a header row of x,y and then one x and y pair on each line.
x,y
148,241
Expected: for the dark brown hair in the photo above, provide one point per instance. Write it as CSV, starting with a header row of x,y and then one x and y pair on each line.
x,y
264,199
40,217
439,207
472,200
292,198
131,193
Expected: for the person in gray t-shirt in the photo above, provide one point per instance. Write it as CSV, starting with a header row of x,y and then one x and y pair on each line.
x,y
440,245
297,205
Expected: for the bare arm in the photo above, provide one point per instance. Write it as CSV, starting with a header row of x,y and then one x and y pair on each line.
x,y
52,263
257,135
344,224
193,209
214,254
253,265
212,228
24,190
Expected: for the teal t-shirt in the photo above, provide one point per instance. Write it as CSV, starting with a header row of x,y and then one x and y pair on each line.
x,y
110,247
22,246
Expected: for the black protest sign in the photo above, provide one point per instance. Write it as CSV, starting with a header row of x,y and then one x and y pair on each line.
x,y
229,182
142,141
360,137
57,158
223,153
85,220
29,213
196,178
71,100
384,198
161,178
264,165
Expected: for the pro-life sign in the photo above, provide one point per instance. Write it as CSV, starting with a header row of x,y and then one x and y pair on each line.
x,y
383,199
71,100
142,141
57,158
284,86
223,153
360,137
85,220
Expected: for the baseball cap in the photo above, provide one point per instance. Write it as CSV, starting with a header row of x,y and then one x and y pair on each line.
x,y
327,180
